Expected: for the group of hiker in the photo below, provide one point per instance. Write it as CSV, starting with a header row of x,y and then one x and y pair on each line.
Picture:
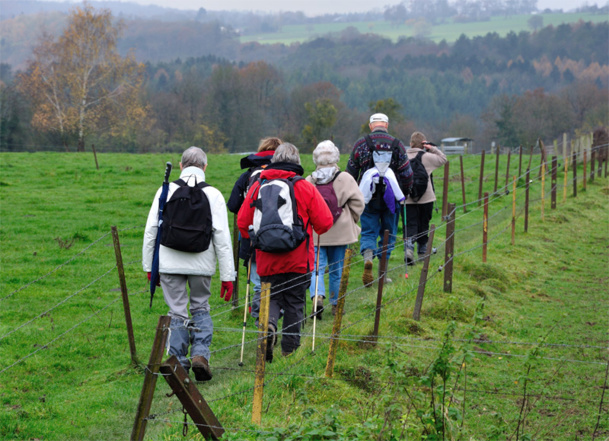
x,y
291,230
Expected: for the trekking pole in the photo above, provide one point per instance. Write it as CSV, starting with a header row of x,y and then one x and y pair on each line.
x,y
316,290
247,294
404,237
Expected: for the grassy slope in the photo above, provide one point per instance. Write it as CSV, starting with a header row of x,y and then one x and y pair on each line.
x,y
551,284
448,31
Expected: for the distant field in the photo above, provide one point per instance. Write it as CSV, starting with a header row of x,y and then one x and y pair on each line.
x,y
448,31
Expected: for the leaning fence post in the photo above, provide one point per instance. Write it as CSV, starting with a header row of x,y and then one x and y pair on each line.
x,y
379,295
151,375
445,188
338,318
481,179
124,294
449,250
95,156
526,202
554,181
485,228
463,184
263,330
418,304
514,211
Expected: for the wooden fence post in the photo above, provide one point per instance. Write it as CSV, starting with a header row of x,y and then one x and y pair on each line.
x,y
554,181
514,211
543,188
151,375
519,161
592,164
507,172
574,174
124,294
497,153
526,202
566,166
585,167
463,184
423,279
338,318
95,156
481,179
449,250
445,189
379,295
485,228
192,400
263,320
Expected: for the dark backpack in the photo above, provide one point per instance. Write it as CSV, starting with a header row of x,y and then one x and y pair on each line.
x,y
187,221
327,192
420,177
277,228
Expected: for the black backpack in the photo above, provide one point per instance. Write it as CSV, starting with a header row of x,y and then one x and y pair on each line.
x,y
277,228
420,177
187,222
327,192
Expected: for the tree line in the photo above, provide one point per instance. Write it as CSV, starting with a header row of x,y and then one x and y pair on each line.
x,y
509,89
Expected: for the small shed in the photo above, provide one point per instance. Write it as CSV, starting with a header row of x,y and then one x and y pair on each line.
x,y
457,146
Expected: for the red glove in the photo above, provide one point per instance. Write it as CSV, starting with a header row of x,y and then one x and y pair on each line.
x,y
226,291
150,277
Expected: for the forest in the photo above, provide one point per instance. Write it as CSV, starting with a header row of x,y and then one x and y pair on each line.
x,y
510,90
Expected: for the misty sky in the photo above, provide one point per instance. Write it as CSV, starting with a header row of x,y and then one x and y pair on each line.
x,y
316,7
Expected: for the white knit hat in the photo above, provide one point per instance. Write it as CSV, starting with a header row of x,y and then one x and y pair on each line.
x,y
326,153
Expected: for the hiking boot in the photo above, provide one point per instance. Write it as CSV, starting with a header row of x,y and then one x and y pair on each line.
x,y
271,340
200,367
319,301
409,256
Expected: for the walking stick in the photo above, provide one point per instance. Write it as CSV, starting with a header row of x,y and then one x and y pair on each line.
x,y
247,294
404,238
316,290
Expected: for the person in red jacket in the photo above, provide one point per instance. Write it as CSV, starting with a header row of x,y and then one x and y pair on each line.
x,y
287,272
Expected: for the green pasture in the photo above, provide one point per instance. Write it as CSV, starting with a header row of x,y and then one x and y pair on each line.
x,y
448,30
516,351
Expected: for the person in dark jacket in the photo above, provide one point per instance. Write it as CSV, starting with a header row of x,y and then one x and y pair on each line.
x,y
383,152
287,272
254,164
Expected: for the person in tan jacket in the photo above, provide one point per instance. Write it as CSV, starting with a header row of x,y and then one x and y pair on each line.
x,y
418,213
347,208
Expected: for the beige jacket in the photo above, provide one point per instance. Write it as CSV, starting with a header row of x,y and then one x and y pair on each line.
x,y
432,159
345,230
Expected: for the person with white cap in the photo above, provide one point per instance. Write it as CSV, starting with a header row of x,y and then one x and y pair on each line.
x,y
387,155
346,202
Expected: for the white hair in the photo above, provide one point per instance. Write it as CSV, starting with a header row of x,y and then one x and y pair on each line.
x,y
194,157
326,153
286,152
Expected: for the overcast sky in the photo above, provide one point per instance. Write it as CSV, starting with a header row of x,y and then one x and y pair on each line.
x,y
316,7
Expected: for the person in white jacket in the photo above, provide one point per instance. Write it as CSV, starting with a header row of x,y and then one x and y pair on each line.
x,y
179,268
418,213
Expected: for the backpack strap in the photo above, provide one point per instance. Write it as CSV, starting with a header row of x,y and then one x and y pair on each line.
x,y
182,183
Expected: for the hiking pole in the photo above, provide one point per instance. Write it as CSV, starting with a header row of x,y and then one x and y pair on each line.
x,y
404,238
316,290
247,294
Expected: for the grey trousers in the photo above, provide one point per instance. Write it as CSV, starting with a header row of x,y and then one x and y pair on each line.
x,y
196,332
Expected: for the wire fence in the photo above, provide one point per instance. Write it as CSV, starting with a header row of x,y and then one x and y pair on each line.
x,y
467,221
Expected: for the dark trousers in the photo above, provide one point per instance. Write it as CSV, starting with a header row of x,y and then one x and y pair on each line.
x,y
288,292
418,217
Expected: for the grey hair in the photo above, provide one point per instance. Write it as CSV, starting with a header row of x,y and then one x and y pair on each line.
x,y
286,152
194,157
326,153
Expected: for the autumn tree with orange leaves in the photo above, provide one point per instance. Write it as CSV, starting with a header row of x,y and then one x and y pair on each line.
x,y
79,84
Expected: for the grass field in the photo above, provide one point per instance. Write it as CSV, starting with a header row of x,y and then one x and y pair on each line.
x,y
518,350
448,31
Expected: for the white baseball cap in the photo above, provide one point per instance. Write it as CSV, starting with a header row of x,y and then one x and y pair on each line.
x,y
379,117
